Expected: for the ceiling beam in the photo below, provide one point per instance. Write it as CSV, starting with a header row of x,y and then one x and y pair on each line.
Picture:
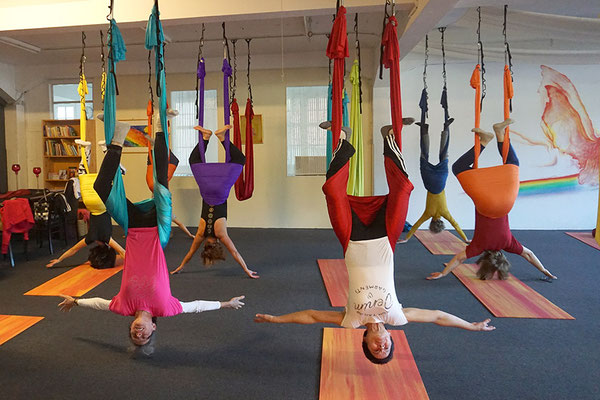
x,y
424,17
80,13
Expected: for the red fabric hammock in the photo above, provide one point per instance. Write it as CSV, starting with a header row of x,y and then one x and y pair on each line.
x,y
244,186
391,60
337,50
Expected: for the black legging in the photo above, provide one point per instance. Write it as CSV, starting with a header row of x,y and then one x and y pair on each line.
x,y
235,154
466,161
103,184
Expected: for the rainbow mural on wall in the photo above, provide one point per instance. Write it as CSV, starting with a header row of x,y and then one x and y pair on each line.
x,y
549,185
135,136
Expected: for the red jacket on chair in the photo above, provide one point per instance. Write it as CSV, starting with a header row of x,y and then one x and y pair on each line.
x,y
17,218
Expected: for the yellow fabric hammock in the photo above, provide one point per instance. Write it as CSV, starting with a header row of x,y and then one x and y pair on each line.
x,y
356,180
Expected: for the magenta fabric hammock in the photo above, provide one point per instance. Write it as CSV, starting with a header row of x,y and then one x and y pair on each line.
x,y
215,179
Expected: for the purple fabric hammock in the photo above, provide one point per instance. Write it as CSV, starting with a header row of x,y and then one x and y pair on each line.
x,y
215,179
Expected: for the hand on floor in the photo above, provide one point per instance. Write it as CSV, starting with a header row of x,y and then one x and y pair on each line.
x,y
260,318
435,275
252,274
177,270
235,303
52,263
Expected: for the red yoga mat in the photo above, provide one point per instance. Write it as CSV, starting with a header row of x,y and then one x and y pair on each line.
x,y
12,325
585,237
443,243
75,282
347,374
508,298
335,277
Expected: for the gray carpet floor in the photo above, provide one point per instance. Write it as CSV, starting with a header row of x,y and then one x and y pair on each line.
x,y
225,355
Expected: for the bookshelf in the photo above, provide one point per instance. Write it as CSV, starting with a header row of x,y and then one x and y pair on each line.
x,y
60,151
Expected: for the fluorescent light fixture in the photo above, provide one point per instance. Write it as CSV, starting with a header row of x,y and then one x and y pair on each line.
x,y
20,44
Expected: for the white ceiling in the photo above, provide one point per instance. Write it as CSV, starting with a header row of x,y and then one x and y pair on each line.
x,y
565,30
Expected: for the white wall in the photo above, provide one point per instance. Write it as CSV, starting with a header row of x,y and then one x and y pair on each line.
x,y
573,209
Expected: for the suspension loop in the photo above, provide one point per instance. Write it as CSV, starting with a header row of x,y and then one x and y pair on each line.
x,y
102,58
82,59
159,65
225,44
358,56
386,15
110,10
200,46
480,58
111,61
233,81
442,30
248,72
507,55
425,63
150,78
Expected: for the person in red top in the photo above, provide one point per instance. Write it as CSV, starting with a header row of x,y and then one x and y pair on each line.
x,y
492,235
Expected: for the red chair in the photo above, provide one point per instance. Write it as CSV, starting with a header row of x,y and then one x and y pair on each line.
x,y
16,218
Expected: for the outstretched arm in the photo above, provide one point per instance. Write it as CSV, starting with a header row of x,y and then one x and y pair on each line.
x,y
199,306
444,319
80,245
530,256
455,262
198,239
120,250
303,317
226,240
416,226
96,303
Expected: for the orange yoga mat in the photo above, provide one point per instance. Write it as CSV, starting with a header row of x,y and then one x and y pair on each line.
x,y
335,277
443,243
12,325
585,237
347,374
75,282
508,298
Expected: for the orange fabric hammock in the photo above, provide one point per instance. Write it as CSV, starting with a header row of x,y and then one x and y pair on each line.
x,y
492,189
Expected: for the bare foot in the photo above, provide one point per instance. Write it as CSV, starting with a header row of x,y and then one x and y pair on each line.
x,y
500,127
346,133
325,125
220,133
205,132
386,130
484,137
408,121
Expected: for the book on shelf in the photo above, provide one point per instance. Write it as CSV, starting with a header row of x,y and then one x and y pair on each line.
x,y
59,131
61,147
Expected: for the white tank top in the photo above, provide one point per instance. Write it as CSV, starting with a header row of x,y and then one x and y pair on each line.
x,y
371,292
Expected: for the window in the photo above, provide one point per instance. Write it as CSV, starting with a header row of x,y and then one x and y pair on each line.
x,y
184,137
306,142
66,102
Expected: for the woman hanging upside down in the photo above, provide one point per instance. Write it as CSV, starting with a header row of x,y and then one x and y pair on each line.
x,y
212,228
145,290
434,178
106,253
368,228
491,234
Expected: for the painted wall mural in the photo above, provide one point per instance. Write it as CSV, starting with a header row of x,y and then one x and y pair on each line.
x,y
568,129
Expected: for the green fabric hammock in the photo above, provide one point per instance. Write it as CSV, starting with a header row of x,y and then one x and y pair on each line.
x,y
356,181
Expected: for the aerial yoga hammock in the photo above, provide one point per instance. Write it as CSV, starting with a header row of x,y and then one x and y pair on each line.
x,y
434,176
215,179
106,253
244,186
367,228
145,292
173,161
356,180
492,189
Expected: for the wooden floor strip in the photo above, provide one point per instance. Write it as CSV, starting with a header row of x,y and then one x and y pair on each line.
x,y
585,237
75,282
347,374
12,325
508,298
443,243
335,277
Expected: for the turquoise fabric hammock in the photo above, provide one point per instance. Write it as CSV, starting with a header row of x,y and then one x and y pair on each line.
x,y
162,196
116,203
345,120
